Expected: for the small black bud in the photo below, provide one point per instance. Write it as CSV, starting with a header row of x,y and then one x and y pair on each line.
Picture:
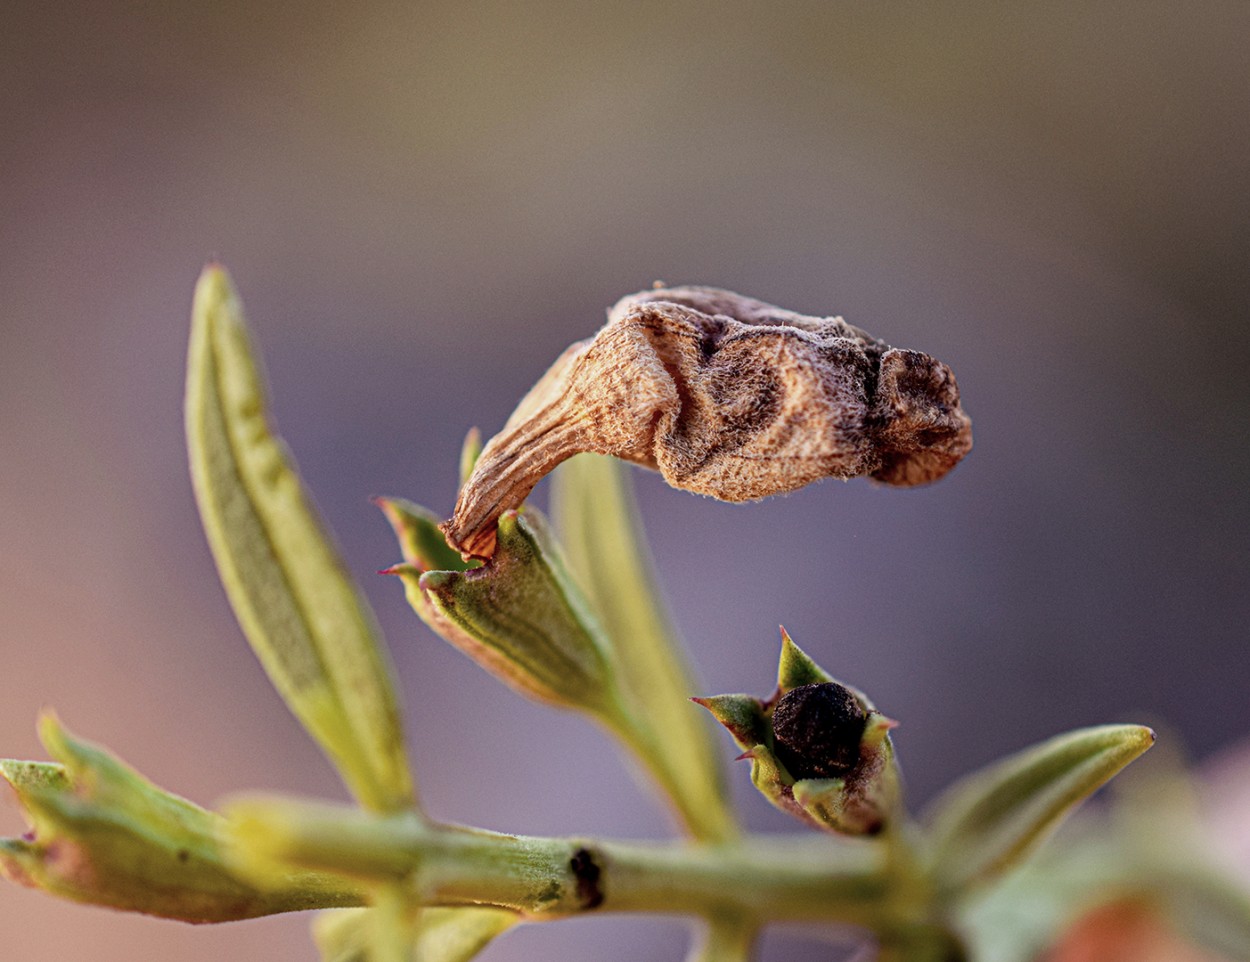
x,y
817,730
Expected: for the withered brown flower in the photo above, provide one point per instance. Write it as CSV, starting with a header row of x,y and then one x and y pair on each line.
x,y
726,396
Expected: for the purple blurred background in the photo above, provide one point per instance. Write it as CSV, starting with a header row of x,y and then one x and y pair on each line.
x,y
422,204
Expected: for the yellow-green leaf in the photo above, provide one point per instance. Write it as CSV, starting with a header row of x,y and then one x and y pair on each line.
x,y
594,511
443,934
990,820
726,938
301,611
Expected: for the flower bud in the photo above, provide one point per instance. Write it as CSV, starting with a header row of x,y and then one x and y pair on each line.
x,y
520,617
101,833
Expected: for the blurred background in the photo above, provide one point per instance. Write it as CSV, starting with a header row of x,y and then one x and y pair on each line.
x,y
423,203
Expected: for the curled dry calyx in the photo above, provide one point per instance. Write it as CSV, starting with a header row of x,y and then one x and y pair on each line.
x,y
725,396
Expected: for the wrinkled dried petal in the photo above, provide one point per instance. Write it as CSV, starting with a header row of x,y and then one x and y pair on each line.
x,y
725,396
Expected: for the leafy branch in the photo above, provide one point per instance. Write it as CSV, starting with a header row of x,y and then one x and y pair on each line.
x,y
576,623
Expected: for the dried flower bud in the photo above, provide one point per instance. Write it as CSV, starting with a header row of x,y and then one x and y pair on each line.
x,y
817,729
726,396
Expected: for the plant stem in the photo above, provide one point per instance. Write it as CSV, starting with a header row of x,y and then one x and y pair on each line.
x,y
774,878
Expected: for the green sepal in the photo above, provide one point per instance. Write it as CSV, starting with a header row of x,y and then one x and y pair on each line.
x,y
796,668
306,620
991,820
744,717
421,543
521,618
103,834
443,934
868,798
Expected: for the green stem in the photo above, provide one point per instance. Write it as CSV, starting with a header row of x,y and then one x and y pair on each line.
x,y
760,878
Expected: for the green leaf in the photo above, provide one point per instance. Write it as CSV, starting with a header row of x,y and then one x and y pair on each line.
x,y
395,919
443,934
101,833
469,453
607,556
298,606
726,939
992,819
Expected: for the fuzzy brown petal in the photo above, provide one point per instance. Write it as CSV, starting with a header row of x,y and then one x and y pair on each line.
x,y
726,396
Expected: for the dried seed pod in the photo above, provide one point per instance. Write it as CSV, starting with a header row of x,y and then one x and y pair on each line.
x,y
817,730
818,749
725,396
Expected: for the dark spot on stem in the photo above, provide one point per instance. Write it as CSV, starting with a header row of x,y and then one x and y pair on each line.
x,y
586,872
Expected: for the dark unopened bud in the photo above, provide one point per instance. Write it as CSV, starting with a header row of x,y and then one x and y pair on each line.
x,y
817,730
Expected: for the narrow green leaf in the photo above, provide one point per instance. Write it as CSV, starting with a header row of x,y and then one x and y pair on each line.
x,y
919,943
992,819
306,620
607,556
469,453
394,921
725,939
443,934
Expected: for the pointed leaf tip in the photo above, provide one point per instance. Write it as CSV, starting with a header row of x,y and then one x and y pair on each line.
x,y
991,820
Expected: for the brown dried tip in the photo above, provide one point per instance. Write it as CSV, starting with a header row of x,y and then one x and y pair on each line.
x,y
726,396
